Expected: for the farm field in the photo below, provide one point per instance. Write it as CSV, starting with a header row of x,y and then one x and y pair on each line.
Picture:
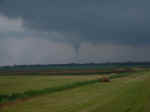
x,y
125,94
19,84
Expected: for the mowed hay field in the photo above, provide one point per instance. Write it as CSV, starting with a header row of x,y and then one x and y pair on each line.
x,y
125,94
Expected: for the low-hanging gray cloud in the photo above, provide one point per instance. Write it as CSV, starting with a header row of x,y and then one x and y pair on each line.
x,y
76,22
119,21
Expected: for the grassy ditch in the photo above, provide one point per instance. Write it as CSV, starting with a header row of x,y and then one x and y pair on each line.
x,y
31,93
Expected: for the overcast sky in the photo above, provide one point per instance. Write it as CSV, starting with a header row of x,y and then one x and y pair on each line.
x,y
64,31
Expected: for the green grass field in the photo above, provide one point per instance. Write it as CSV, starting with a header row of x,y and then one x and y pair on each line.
x,y
126,94
13,84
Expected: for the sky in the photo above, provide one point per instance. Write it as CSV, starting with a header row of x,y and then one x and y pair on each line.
x,y
65,31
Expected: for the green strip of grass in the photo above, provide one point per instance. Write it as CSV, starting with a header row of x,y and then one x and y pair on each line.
x,y
31,93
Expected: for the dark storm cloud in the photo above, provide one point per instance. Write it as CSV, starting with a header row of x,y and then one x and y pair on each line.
x,y
95,21
48,31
